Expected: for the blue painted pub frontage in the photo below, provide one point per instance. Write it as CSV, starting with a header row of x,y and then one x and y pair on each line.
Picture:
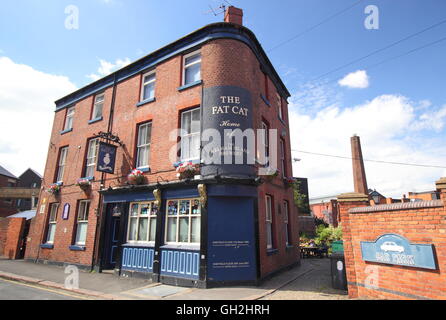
x,y
191,233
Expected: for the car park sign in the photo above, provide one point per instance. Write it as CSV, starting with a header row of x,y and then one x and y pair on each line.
x,y
397,250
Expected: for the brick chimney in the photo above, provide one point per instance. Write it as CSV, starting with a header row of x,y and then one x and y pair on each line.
x,y
359,177
234,15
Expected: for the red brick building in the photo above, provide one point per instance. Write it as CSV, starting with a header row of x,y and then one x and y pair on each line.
x,y
7,205
221,224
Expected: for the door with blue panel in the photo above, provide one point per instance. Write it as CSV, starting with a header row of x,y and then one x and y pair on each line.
x,y
112,235
231,239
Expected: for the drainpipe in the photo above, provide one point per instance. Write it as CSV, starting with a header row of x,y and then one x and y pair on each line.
x,y
100,210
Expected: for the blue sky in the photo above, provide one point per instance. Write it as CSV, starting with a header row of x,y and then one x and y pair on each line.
x,y
33,34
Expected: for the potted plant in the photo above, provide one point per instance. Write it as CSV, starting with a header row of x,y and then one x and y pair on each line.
x,y
54,189
136,177
288,182
84,184
187,170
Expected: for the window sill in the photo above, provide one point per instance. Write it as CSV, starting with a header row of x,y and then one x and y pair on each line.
x,y
77,248
191,247
87,178
139,104
66,131
95,120
265,100
139,244
177,164
143,169
190,85
271,252
47,246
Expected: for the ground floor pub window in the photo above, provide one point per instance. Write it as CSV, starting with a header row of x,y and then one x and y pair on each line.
x,y
82,222
52,221
142,222
183,221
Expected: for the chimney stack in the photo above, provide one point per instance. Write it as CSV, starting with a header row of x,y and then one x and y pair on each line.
x,y
234,15
359,177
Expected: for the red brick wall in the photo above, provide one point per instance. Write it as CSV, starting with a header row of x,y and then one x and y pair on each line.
x,y
427,225
10,235
224,62
7,208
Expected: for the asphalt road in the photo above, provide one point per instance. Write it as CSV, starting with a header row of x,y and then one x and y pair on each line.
x,y
13,290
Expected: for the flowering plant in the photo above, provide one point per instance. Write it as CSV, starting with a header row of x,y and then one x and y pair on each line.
x,y
289,181
136,177
54,188
187,170
83,183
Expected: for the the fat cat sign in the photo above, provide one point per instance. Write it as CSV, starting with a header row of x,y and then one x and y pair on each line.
x,y
106,158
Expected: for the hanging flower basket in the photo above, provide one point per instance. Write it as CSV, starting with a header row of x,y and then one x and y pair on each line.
x,y
187,170
136,177
289,182
271,174
84,184
54,189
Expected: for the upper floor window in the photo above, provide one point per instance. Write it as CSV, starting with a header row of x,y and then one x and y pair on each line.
x,y
93,147
148,86
264,147
282,158
143,146
82,222
190,135
183,221
279,105
61,165
191,68
142,222
69,119
52,221
98,106
287,223
266,86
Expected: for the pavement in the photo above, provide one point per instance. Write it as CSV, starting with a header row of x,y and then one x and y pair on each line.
x,y
311,280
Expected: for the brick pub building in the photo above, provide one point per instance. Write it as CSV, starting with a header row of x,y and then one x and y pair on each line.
x,y
226,224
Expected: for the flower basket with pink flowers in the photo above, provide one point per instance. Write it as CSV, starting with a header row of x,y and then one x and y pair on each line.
x,y
187,170
54,189
289,182
136,177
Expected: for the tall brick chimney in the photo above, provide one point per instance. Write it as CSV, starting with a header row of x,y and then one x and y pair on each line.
x,y
359,177
234,15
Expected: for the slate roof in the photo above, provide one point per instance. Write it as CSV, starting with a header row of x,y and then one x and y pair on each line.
x,y
6,173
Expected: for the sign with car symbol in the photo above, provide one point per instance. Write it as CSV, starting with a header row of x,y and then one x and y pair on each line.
x,y
397,250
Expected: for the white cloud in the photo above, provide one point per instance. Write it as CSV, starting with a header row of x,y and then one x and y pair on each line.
x,y
390,130
106,67
358,80
26,112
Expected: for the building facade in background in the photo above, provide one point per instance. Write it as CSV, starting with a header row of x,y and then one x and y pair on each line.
x,y
7,180
179,219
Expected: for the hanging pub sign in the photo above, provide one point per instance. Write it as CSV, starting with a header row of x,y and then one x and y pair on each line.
x,y
106,158
397,250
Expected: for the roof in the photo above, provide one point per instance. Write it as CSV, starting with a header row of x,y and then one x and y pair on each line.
x,y
6,173
24,214
32,170
220,30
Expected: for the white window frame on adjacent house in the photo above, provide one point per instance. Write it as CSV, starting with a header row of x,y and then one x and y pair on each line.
x,y
286,221
149,82
269,222
90,161
188,137
186,66
69,118
98,105
282,157
52,223
143,146
135,218
61,165
81,221
175,218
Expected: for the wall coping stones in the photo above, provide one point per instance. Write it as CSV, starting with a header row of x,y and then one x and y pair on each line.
x,y
352,197
399,206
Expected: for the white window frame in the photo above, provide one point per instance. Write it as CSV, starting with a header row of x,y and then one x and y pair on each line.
x,y
286,221
190,136
146,145
265,142
282,157
178,217
82,219
61,164
90,157
69,118
150,216
198,52
145,83
52,222
99,100
279,102
269,221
